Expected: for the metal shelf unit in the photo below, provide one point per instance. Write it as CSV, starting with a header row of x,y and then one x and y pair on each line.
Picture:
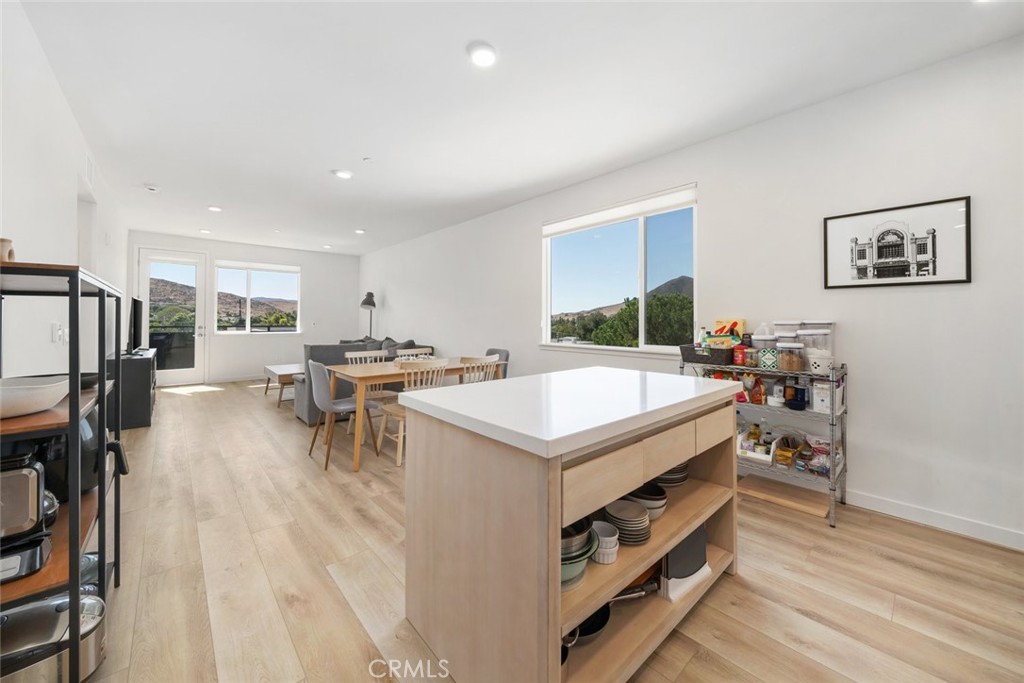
x,y
74,284
835,420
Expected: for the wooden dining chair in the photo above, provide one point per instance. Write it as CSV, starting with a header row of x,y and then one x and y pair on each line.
x,y
478,368
320,378
420,351
374,392
419,374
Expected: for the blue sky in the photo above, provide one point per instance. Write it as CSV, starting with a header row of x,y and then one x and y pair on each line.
x,y
264,283
598,267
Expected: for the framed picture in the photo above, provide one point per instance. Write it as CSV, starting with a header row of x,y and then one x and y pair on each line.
x,y
918,244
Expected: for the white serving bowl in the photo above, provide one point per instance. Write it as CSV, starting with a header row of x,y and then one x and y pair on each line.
x,y
657,512
26,395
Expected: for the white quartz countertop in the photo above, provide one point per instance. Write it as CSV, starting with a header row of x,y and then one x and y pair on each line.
x,y
559,412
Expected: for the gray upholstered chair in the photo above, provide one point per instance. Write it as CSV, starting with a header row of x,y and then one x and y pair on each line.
x,y
328,405
502,358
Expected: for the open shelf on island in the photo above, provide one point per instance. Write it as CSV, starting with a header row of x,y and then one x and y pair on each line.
x,y
636,628
689,506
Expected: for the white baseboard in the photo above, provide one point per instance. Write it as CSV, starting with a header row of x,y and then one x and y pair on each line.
x,y
1010,538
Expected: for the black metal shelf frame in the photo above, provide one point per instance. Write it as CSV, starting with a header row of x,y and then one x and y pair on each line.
x,y
44,280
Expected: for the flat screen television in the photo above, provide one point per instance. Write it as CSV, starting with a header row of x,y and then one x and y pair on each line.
x,y
135,319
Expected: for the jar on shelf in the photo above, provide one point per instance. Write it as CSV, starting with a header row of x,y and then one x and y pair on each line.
x,y
767,354
791,356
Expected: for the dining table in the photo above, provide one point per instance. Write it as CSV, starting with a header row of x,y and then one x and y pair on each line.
x,y
367,374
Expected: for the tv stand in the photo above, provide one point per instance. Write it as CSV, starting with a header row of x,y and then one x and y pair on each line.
x,y
138,379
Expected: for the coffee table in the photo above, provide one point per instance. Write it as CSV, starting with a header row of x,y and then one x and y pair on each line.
x,y
282,375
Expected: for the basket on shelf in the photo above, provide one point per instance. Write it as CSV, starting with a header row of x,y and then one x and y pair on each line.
x,y
705,355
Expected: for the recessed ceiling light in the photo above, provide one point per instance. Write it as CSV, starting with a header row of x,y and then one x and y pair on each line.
x,y
205,231
152,188
341,173
327,246
277,231
360,231
482,54
215,209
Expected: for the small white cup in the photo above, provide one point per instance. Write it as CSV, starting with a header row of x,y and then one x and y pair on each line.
x,y
607,535
606,555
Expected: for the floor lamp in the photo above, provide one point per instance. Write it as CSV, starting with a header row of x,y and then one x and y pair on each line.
x,y
369,304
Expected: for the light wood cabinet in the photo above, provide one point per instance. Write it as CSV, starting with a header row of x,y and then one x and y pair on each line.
x,y
483,545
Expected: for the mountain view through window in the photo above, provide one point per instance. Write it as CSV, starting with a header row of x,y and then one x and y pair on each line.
x,y
595,295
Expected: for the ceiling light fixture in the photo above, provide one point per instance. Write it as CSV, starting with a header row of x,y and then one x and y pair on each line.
x,y
277,231
152,188
360,231
205,231
342,173
215,209
327,246
482,54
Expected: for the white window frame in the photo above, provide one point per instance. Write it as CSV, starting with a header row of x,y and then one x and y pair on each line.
x,y
248,268
637,209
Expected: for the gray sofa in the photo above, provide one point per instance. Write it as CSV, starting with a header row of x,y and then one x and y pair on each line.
x,y
334,354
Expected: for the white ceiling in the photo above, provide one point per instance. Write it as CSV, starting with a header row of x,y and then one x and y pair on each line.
x,y
248,105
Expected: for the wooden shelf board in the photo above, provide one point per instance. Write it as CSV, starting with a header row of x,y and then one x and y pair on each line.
x,y
787,495
689,506
636,628
54,419
54,574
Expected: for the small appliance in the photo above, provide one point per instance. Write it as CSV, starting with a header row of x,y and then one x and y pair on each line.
x,y
33,639
53,453
24,541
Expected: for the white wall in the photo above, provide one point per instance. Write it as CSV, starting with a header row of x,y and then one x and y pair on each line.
x,y
328,302
930,439
45,166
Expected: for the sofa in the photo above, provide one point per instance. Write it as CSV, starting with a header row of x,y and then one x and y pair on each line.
x,y
334,354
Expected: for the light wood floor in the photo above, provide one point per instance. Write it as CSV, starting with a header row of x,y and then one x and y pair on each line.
x,y
244,561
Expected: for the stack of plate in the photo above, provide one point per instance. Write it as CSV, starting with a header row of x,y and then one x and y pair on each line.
x,y
675,476
631,519
652,497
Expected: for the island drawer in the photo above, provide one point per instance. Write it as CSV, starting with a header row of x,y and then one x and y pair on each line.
x,y
669,448
595,483
715,427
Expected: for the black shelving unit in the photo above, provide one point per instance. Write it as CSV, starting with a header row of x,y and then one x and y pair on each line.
x,y
74,284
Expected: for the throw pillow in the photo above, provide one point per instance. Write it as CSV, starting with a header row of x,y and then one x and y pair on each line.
x,y
407,344
388,344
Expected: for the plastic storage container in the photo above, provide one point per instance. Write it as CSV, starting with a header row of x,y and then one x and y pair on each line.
x,y
792,357
786,326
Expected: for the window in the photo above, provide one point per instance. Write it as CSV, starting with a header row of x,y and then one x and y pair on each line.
x,y
922,248
623,277
862,253
257,299
890,251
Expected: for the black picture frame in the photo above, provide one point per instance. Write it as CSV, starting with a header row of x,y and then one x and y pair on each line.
x,y
889,272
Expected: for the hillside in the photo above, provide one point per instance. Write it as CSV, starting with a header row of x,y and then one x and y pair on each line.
x,y
679,285
167,293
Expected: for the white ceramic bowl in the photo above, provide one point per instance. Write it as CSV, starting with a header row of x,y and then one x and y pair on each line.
x,y
27,395
606,555
607,534
658,512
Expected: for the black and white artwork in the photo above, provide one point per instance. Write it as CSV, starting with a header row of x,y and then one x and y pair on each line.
x,y
918,244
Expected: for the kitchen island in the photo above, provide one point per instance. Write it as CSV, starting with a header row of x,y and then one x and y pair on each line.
x,y
496,469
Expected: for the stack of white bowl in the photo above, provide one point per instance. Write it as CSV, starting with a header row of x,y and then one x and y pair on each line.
x,y
608,543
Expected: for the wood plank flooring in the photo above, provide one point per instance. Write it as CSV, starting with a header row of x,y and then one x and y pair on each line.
x,y
244,561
